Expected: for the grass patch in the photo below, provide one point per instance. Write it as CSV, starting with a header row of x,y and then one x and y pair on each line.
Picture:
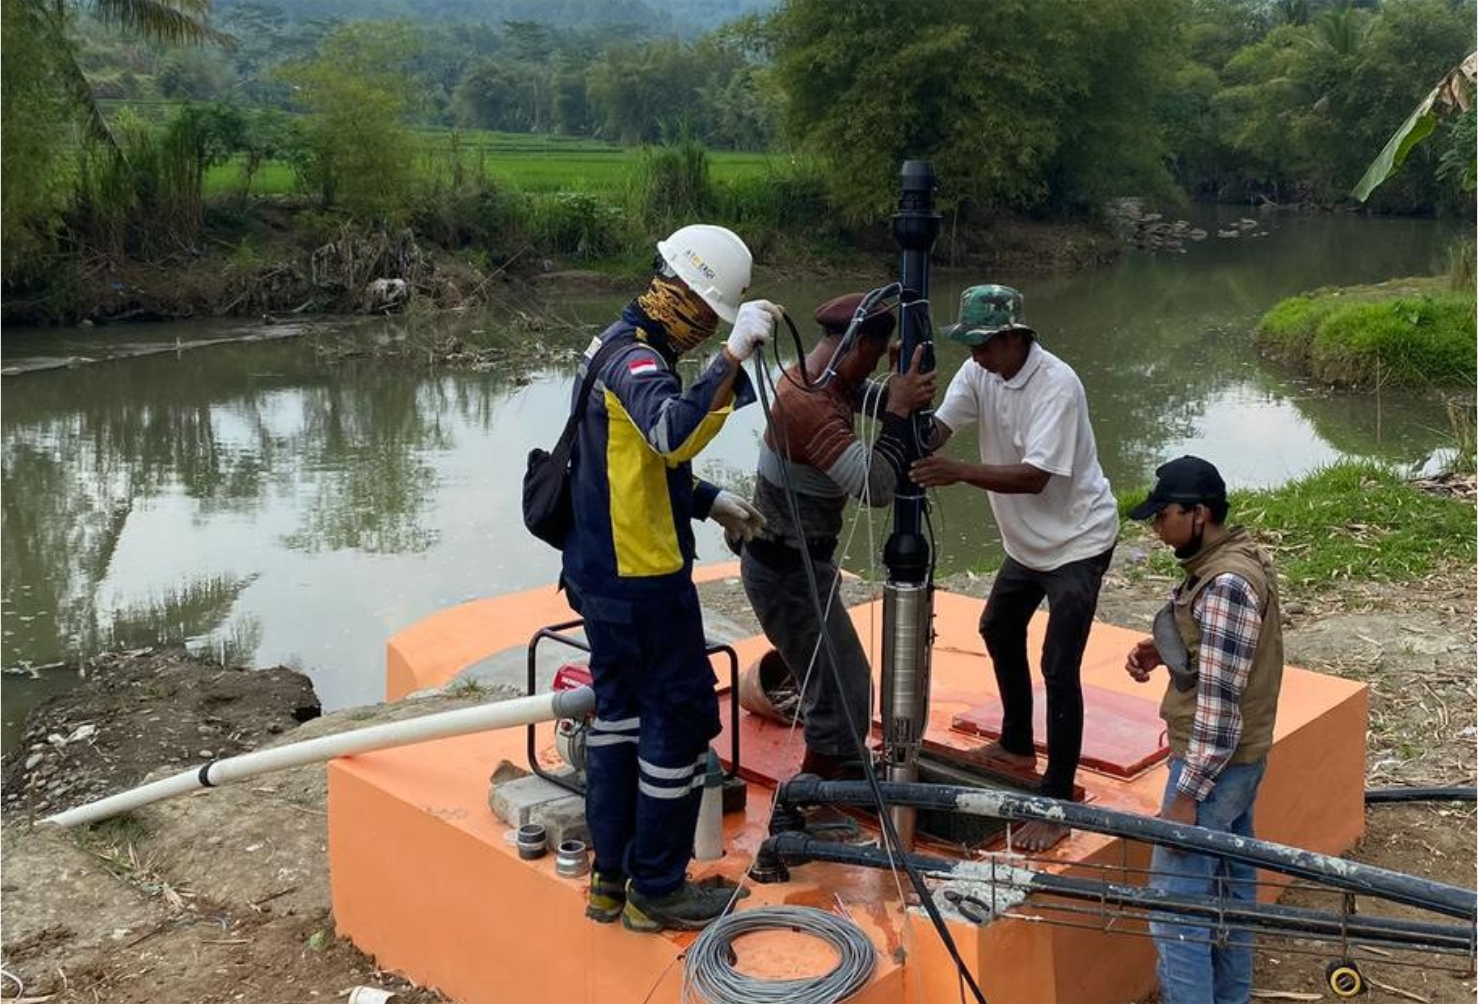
x,y
1352,521
275,177
1406,332
467,686
116,830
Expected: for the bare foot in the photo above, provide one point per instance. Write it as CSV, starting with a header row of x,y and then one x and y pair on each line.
x,y
993,750
1037,836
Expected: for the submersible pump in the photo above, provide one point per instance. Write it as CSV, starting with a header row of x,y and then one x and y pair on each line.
x,y
908,594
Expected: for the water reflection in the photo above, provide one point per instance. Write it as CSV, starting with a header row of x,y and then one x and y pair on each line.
x,y
186,500
255,503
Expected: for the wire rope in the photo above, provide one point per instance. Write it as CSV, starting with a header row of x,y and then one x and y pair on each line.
x,y
713,975
891,843
763,378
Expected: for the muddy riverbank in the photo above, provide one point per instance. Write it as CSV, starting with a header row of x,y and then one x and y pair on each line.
x,y
143,711
277,272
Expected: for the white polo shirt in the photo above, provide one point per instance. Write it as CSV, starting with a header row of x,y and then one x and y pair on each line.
x,y
1038,417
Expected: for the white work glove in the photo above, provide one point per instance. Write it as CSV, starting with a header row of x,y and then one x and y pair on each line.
x,y
753,327
736,515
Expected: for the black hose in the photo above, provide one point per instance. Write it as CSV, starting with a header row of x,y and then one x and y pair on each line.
x,y
1384,796
805,384
1338,873
1269,918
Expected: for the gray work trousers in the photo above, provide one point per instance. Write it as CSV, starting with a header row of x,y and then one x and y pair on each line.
x,y
837,718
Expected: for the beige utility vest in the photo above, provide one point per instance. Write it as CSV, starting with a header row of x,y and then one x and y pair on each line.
x,y
1239,554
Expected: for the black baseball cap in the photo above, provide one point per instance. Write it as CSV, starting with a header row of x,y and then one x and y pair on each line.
x,y
1184,481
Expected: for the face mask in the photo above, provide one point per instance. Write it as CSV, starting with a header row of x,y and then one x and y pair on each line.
x,y
1192,546
681,313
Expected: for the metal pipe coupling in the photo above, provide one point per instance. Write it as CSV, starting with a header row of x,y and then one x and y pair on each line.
x,y
571,859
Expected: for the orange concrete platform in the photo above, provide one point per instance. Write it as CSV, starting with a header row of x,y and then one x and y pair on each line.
x,y
424,878
433,650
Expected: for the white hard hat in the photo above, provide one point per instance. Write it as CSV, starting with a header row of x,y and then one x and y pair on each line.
x,y
713,262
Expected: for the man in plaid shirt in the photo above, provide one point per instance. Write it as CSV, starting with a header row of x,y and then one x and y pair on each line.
x,y
1221,639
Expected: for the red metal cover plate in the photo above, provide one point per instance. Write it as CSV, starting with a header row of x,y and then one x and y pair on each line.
x,y
1122,735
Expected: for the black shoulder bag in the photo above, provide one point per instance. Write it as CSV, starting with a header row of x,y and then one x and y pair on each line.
x,y
548,509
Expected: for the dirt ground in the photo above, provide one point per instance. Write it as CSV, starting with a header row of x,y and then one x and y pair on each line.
x,y
145,710
218,897
224,896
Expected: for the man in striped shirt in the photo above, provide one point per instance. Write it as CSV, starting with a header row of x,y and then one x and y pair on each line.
x,y
1221,639
811,463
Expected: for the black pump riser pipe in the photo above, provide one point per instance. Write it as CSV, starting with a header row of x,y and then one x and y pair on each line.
x,y
1337,873
908,622
1212,912
915,228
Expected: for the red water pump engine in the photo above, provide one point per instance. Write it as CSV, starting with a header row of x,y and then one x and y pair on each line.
x,y
569,733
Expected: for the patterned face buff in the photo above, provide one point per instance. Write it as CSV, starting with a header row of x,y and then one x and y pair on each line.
x,y
683,315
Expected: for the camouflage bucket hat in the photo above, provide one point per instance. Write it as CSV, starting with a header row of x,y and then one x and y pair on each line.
x,y
987,311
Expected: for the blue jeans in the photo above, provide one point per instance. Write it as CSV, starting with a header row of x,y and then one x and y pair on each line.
x,y
1197,965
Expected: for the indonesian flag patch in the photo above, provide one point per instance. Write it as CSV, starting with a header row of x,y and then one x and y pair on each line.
x,y
642,366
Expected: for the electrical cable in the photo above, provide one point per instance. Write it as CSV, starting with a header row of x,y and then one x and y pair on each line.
x,y
844,347
711,968
823,639
805,383
892,843
849,337
766,379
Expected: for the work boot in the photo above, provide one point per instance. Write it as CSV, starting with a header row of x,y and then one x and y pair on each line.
x,y
607,898
690,907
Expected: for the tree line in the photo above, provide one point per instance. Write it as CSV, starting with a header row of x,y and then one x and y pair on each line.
x,y
617,80
1051,106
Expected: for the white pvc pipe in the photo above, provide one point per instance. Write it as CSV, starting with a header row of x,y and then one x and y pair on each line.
x,y
505,714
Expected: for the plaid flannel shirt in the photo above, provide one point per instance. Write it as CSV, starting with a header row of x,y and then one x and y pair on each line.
x,y
1227,614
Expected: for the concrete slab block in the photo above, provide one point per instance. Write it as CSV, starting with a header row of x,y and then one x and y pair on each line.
x,y
514,801
563,819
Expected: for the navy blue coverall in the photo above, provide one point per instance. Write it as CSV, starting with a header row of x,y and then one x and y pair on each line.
x,y
628,568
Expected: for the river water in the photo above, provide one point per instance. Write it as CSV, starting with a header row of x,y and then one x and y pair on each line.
x,y
257,503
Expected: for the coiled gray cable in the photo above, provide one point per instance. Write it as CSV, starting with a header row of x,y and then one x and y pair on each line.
x,y
709,974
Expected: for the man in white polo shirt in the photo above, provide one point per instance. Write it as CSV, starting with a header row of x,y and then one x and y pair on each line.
x,y
1058,523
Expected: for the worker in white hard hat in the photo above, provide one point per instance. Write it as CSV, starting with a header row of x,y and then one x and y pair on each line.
x,y
628,568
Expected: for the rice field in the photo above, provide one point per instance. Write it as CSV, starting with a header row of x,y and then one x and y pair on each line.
x,y
526,162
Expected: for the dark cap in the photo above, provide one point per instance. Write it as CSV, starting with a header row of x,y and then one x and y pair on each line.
x,y
835,315
1184,481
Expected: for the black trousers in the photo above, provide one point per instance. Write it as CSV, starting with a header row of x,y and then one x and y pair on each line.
x,y
1071,592
835,716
